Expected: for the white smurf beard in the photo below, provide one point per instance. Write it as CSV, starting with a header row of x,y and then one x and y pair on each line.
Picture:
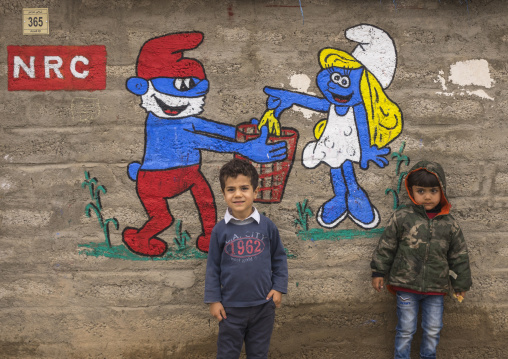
x,y
195,104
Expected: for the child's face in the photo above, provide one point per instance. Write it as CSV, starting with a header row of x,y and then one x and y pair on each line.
x,y
239,196
429,197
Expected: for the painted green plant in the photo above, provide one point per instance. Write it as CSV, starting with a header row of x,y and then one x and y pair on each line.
x,y
181,250
121,252
401,159
181,237
96,207
319,234
304,213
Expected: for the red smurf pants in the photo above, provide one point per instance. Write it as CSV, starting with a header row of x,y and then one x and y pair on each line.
x,y
153,188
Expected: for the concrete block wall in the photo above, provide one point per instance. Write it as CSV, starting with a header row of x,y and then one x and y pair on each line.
x,y
60,299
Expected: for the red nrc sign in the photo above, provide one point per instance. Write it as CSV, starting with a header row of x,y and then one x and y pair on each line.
x,y
47,68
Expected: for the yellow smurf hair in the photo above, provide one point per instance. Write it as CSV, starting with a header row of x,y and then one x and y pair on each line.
x,y
383,116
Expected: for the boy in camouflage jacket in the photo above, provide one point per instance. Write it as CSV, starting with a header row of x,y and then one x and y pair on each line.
x,y
419,247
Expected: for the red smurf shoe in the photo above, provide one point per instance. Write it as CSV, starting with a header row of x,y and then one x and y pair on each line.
x,y
151,247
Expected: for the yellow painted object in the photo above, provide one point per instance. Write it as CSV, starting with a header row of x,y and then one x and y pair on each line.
x,y
383,115
319,128
271,121
458,297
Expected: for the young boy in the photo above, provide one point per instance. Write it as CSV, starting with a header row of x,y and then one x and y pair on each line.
x,y
246,271
421,244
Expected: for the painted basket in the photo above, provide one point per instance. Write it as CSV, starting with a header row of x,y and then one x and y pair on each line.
x,y
272,176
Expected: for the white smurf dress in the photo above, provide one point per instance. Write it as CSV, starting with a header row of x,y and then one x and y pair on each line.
x,y
338,143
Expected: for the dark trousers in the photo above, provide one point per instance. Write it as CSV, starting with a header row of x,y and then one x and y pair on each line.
x,y
254,325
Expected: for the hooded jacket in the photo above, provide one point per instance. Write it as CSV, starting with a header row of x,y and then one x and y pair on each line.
x,y
417,252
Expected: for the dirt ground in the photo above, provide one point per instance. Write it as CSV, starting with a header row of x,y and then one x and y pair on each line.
x,y
339,331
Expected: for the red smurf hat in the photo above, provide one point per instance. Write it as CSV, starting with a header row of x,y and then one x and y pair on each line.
x,y
163,57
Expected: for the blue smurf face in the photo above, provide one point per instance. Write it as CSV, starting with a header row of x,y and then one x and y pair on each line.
x,y
168,97
181,87
340,86
186,87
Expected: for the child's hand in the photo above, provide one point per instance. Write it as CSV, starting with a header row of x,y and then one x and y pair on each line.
x,y
217,310
276,297
378,283
460,296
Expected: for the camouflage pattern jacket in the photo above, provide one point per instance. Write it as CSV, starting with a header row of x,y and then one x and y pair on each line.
x,y
417,252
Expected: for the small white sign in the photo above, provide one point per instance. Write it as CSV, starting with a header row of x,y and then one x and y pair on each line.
x,y
35,21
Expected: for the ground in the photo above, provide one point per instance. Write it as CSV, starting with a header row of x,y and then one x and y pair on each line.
x,y
338,330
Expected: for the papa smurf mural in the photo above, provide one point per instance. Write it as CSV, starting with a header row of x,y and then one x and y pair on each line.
x,y
361,120
172,89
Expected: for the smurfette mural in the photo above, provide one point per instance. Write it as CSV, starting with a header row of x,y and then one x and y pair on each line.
x,y
361,120
172,89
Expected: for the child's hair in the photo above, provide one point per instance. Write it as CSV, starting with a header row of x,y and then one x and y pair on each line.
x,y
422,178
237,167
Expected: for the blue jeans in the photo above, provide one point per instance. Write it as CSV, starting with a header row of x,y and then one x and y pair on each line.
x,y
254,325
408,305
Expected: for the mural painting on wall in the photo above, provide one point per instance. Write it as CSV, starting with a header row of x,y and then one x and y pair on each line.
x,y
172,89
361,120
